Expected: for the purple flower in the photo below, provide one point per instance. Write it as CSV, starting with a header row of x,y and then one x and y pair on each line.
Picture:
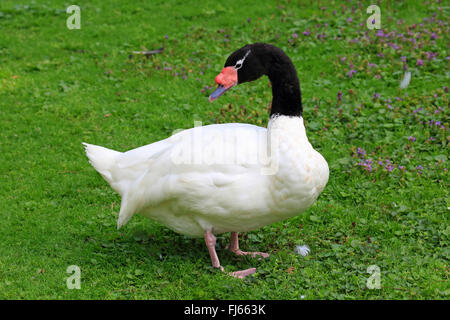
x,y
294,35
349,20
394,46
411,138
375,96
419,62
361,152
433,36
367,164
380,33
419,169
431,55
351,73
306,33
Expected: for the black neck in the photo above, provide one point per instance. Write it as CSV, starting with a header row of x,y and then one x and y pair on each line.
x,y
287,98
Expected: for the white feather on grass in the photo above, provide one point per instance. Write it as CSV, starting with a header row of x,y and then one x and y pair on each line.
x,y
406,80
302,250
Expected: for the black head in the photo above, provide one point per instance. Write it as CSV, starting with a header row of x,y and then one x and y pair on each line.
x,y
248,62
255,60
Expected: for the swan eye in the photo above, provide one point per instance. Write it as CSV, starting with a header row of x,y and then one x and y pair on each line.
x,y
240,62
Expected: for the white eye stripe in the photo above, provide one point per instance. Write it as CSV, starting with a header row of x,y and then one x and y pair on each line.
x,y
240,62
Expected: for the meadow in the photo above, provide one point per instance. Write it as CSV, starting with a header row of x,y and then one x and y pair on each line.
x,y
386,203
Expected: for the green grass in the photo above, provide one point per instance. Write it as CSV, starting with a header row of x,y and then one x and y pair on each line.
x,y
59,87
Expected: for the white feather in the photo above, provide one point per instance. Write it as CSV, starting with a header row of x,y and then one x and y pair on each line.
x,y
302,250
406,80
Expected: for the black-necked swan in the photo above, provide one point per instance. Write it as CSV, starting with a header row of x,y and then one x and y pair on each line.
x,y
225,177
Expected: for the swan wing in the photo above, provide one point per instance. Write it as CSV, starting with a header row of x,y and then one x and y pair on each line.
x,y
198,169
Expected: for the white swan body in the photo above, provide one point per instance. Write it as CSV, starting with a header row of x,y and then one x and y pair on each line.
x,y
216,178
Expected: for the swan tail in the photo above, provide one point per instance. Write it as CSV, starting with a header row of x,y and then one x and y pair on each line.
x,y
126,212
103,160
107,163
132,200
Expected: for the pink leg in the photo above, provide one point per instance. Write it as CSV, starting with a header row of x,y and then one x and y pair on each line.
x,y
234,247
210,240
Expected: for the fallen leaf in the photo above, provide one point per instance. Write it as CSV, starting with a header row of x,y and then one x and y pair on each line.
x,y
290,269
